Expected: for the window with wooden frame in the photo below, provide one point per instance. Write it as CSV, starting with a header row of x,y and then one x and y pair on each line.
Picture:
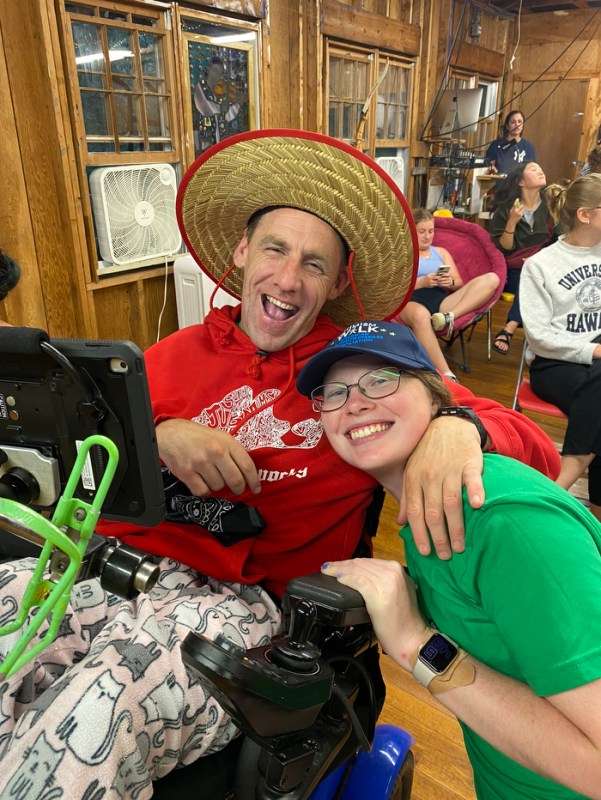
x,y
369,104
220,78
352,75
118,55
121,65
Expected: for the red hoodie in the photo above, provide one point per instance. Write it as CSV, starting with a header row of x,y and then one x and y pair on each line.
x,y
312,502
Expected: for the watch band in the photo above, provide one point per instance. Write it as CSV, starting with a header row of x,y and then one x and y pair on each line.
x,y
422,674
465,412
460,671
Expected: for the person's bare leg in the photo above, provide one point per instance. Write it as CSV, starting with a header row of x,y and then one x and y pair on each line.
x,y
417,317
472,295
572,468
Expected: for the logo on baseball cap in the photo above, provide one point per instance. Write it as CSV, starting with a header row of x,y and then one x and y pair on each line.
x,y
390,341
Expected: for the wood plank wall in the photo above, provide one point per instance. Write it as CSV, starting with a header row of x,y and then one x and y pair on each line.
x,y
42,216
41,206
570,46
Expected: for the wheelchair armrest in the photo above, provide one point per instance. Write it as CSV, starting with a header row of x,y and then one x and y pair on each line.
x,y
335,604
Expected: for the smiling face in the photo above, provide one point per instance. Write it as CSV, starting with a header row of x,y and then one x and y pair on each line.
x,y
293,262
377,436
533,177
425,234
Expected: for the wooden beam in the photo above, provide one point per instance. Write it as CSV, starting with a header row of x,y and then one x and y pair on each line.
x,y
342,22
478,59
246,8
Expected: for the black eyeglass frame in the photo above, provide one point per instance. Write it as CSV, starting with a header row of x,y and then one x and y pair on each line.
x,y
319,390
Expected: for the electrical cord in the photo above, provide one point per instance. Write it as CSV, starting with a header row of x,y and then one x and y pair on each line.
x,y
444,78
64,362
372,702
164,299
354,719
515,97
511,101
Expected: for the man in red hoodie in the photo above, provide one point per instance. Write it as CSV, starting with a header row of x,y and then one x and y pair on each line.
x,y
255,494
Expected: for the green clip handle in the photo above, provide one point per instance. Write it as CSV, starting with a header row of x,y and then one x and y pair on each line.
x,y
51,597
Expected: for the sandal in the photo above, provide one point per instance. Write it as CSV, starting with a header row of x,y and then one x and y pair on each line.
x,y
503,336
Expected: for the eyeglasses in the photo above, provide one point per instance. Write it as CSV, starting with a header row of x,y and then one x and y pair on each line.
x,y
374,384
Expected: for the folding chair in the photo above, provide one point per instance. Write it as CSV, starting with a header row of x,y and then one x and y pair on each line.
x,y
524,398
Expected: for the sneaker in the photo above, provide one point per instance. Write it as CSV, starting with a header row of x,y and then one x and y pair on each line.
x,y
442,320
451,376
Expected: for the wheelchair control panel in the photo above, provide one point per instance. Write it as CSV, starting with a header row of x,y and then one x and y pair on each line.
x,y
296,697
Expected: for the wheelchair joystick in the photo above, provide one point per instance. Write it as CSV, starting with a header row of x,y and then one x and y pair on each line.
x,y
286,696
294,651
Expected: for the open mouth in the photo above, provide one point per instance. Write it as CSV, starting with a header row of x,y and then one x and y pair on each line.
x,y
368,430
277,309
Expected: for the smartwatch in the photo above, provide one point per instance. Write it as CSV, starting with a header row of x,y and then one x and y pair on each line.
x,y
465,412
434,658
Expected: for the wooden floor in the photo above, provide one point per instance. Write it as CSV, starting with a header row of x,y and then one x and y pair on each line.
x,y
442,769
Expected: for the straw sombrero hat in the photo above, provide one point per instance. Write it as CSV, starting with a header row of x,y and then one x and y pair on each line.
x,y
315,173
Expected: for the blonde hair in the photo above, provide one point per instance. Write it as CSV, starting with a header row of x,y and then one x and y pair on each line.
x,y
421,215
564,200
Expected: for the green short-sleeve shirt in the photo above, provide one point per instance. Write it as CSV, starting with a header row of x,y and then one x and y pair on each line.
x,y
524,598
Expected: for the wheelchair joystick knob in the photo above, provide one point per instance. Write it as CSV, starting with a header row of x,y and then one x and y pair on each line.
x,y
294,651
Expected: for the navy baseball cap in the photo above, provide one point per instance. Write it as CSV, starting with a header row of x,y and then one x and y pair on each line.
x,y
388,340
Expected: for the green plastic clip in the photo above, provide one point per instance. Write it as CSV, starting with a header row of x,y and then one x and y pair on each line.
x,y
50,595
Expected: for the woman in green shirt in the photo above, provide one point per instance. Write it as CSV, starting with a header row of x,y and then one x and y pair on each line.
x,y
507,634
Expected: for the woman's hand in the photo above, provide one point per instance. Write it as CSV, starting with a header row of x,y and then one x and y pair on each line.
x,y
445,281
516,212
390,598
430,281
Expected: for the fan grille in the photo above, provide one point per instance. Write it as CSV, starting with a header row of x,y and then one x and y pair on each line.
x,y
134,211
395,167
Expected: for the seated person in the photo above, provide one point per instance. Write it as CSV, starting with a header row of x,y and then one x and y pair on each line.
x,y
521,225
440,295
593,163
256,496
10,272
518,656
510,150
560,300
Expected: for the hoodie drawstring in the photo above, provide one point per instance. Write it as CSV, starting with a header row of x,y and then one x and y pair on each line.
x,y
254,368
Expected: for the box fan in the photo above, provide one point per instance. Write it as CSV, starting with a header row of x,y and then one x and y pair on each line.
x,y
134,212
395,167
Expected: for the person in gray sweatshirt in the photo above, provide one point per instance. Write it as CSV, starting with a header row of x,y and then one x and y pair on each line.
x,y
560,299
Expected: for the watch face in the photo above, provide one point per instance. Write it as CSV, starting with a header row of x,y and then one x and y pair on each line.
x,y
438,653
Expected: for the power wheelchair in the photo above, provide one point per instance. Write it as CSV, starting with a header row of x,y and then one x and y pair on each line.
x,y
306,704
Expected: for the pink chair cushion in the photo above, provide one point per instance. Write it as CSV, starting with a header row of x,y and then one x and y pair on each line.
x,y
474,253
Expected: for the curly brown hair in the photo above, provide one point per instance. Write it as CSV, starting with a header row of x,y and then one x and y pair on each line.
x,y
10,272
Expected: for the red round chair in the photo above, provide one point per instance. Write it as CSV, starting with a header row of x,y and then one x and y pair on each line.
x,y
474,254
